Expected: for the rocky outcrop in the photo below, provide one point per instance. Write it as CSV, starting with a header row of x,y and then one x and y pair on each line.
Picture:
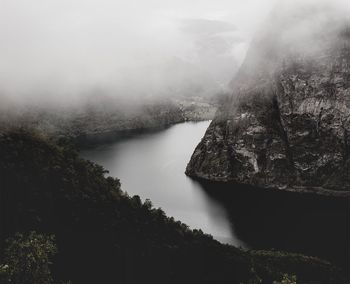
x,y
287,124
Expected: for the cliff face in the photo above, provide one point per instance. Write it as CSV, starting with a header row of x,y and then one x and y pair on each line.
x,y
287,124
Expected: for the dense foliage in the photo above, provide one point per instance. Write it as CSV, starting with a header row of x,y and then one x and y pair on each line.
x,y
105,236
27,259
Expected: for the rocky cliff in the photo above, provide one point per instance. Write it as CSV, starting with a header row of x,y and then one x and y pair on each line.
x,y
287,123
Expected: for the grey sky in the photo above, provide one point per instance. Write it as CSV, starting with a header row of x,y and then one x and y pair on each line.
x,y
65,48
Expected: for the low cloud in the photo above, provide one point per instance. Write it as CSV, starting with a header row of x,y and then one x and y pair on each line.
x,y
65,50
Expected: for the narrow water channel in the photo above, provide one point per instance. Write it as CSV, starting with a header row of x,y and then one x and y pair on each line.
x,y
152,165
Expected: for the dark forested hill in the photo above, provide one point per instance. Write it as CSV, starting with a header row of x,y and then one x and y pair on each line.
x,y
102,115
105,236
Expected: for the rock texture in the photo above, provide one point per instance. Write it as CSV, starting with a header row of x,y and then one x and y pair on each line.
x,y
287,124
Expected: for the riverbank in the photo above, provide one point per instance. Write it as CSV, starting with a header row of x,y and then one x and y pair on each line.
x,y
108,118
240,215
299,190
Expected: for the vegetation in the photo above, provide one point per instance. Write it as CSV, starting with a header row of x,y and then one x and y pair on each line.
x,y
287,279
27,259
105,236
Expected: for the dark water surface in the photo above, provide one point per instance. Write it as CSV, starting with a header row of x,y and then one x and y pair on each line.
x,y
152,166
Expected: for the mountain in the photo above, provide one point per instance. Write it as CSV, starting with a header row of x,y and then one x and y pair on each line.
x,y
287,123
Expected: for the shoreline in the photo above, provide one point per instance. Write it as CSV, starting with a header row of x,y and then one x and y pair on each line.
x,y
296,190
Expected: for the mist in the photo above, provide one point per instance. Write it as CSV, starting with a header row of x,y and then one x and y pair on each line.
x,y
62,51
308,30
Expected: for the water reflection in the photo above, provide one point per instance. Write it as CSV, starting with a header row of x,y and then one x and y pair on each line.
x,y
152,164
219,219
309,224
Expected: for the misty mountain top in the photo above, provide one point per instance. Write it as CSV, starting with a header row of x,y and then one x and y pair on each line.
x,y
310,32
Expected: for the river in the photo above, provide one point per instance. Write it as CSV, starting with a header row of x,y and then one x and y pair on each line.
x,y
152,164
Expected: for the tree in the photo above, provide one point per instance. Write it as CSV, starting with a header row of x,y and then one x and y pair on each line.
x,y
27,259
287,279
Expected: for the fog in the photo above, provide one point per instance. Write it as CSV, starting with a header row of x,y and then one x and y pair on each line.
x,y
310,30
65,50
59,50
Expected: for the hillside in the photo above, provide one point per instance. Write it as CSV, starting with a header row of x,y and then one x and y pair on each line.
x,y
100,115
105,236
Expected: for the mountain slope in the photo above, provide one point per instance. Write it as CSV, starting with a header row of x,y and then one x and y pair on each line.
x,y
105,236
287,122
